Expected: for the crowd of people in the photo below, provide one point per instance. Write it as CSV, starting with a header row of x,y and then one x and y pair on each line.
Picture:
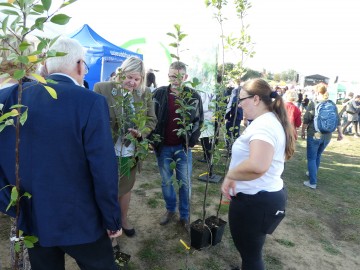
x,y
79,155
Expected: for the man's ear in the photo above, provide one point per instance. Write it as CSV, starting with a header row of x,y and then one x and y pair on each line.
x,y
78,68
185,77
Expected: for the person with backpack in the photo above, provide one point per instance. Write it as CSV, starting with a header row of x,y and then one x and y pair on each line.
x,y
320,120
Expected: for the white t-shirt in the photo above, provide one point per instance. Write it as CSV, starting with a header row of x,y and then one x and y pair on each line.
x,y
265,128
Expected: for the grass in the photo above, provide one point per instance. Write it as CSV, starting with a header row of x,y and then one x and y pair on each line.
x,y
286,243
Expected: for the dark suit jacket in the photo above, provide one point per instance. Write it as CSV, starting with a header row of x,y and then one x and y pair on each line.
x,y
67,163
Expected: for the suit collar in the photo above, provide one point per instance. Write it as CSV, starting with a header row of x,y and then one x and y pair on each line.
x,y
61,77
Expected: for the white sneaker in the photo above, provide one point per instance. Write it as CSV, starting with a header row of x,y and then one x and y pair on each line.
x,y
307,183
307,173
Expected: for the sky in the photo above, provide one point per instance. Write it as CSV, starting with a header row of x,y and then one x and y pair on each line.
x,y
309,36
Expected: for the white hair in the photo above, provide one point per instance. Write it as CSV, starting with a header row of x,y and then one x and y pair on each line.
x,y
64,64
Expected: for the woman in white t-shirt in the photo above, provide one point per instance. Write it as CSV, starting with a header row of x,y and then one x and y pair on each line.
x,y
253,182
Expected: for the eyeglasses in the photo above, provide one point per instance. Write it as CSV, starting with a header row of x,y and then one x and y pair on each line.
x,y
178,77
242,99
85,65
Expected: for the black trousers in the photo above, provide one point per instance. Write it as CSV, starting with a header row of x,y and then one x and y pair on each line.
x,y
92,256
251,217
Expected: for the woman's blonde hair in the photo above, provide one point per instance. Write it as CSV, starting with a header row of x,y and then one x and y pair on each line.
x,y
130,65
321,89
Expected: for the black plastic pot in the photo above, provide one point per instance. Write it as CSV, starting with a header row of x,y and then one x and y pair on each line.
x,y
217,227
199,234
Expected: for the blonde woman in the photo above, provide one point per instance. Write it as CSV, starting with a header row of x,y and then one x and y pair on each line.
x,y
127,95
316,142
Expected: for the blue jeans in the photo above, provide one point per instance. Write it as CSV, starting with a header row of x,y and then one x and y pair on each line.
x,y
183,169
314,149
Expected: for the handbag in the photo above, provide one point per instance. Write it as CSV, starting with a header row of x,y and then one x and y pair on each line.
x,y
350,108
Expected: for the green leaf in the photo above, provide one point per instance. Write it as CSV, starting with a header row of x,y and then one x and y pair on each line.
x,y
23,117
51,91
60,19
175,56
173,165
22,3
182,36
18,74
175,45
51,53
7,5
42,44
28,244
9,122
14,194
17,106
24,45
8,115
38,78
4,24
24,30
67,3
9,12
60,54
46,4
17,247
39,23
171,35
13,197
23,59
31,238
28,195
38,8
53,40
2,126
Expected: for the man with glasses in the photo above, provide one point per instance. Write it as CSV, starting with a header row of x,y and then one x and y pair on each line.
x,y
174,147
85,83
67,164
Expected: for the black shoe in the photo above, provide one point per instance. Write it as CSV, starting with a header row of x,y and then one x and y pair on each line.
x,y
185,224
167,217
129,232
202,160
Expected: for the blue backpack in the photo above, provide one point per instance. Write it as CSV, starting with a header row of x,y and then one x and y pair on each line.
x,y
326,117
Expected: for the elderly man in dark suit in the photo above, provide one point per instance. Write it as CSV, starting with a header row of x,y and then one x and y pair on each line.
x,y
67,163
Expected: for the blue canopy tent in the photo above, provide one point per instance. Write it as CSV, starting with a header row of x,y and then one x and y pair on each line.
x,y
102,56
